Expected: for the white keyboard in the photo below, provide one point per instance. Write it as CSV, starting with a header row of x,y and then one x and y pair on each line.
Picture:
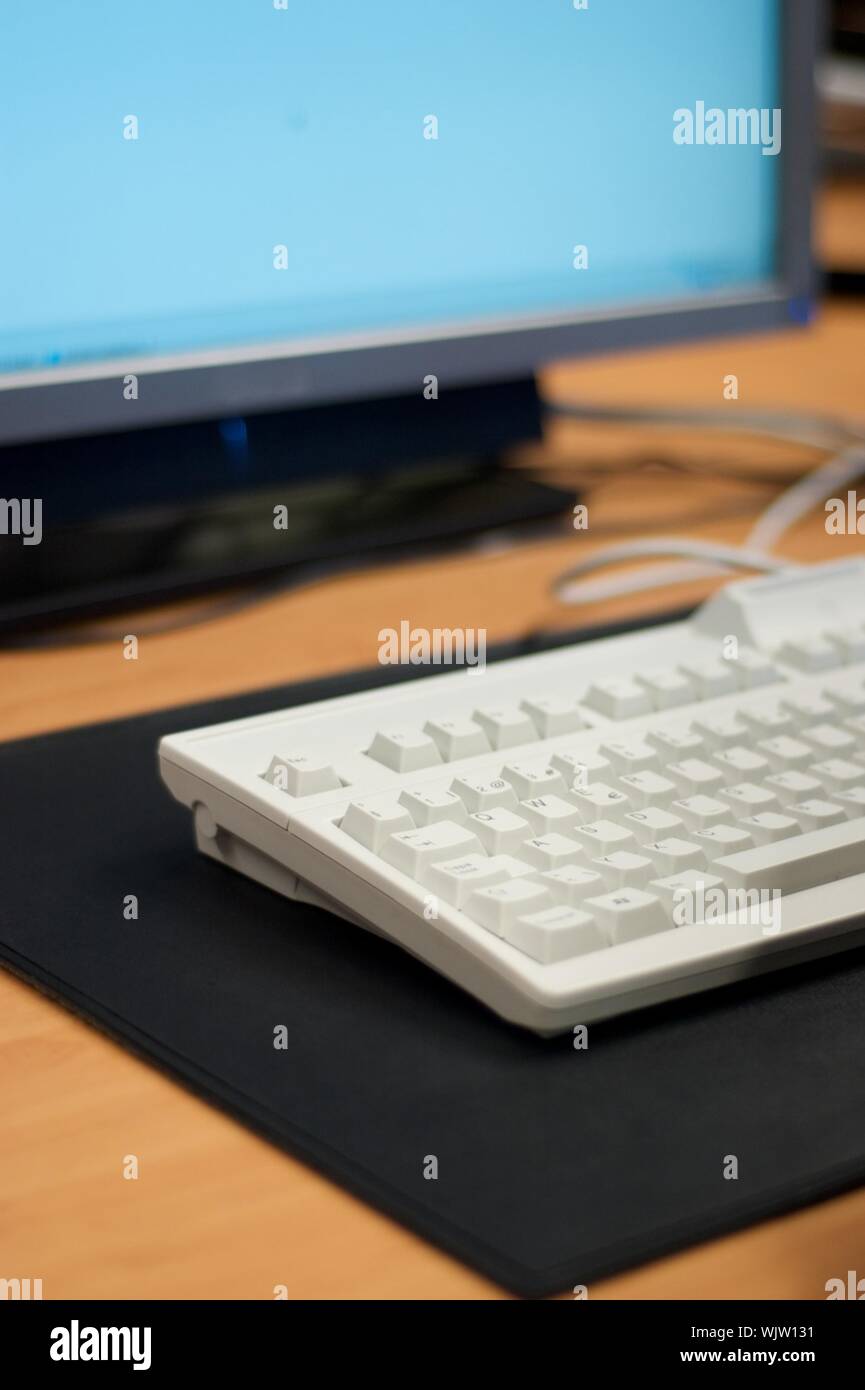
x,y
579,833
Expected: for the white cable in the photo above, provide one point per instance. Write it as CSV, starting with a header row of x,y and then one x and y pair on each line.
x,y
725,557
716,560
806,494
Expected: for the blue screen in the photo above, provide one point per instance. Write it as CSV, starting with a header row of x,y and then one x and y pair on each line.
x,y
191,175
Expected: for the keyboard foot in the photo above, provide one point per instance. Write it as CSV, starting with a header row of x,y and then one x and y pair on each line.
x,y
234,853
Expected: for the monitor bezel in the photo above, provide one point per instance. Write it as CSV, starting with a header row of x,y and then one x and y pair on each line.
x,y
89,398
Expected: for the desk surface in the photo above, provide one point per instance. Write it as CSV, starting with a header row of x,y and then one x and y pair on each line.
x,y
217,1212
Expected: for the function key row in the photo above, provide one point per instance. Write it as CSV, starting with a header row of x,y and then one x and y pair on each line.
x,y
407,749
825,651
488,729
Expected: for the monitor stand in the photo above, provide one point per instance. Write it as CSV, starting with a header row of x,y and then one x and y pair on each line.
x,y
147,515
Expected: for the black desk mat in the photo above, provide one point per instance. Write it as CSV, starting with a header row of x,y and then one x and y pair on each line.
x,y
555,1166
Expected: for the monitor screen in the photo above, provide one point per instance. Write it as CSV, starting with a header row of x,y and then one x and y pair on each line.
x,y
191,180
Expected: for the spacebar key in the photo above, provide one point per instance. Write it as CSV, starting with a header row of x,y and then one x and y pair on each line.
x,y
802,861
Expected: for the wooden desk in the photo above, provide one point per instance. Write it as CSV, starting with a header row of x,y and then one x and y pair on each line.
x,y
216,1212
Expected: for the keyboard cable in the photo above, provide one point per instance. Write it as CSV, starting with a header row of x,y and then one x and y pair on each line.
x,y
699,559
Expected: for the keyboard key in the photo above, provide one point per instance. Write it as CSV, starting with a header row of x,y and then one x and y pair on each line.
x,y
848,696
411,851
628,913
618,697
668,688
693,775
513,867
850,642
455,879
552,715
624,869
672,855
371,825
572,884
738,764
457,738
689,891
604,836
712,676
548,813
648,788
793,786
499,830
721,730
599,798
630,757
483,793
768,826
404,750
810,654
653,824
301,774
837,773
506,726
551,851
677,743
500,905
555,933
755,669
784,752
426,805
746,798
803,861
768,718
578,769
720,840
699,812
809,708
853,801
533,779
829,739
815,814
